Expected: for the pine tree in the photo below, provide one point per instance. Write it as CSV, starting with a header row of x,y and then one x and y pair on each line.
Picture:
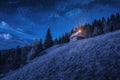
x,y
48,40
89,31
117,21
98,27
18,57
72,31
25,51
0,59
56,41
104,24
39,47
112,23
66,37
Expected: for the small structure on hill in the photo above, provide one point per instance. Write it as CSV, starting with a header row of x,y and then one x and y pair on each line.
x,y
78,35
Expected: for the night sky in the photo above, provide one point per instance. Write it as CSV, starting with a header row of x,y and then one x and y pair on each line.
x,y
34,17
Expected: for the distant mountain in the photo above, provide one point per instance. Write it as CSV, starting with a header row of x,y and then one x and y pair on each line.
x,y
10,38
95,58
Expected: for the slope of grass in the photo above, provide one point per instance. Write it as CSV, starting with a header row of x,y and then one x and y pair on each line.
x,y
91,59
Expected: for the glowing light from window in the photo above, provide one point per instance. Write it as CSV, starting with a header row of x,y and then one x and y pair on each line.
x,y
80,31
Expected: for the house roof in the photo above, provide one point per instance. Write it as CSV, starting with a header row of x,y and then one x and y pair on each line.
x,y
77,34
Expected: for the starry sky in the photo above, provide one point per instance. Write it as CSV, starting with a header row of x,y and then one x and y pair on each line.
x,y
34,17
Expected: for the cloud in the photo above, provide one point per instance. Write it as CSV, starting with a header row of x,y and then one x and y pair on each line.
x,y
61,6
89,4
41,4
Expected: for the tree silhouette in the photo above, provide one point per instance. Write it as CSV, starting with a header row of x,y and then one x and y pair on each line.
x,y
48,40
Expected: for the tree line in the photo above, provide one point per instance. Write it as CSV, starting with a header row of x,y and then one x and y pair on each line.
x,y
15,58
97,27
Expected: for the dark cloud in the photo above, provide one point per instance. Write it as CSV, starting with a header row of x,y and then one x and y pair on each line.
x,y
41,4
58,6
48,5
90,5
106,2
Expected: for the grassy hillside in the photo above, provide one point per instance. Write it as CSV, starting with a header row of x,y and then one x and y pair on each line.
x,y
96,58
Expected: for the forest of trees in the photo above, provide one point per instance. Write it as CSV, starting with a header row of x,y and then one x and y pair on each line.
x,y
15,58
